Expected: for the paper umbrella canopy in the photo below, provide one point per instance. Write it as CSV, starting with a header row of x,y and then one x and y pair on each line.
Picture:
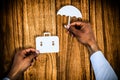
x,y
70,11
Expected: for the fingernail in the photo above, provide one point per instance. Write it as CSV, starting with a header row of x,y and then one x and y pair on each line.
x,y
68,26
68,32
36,58
37,52
31,64
72,35
65,26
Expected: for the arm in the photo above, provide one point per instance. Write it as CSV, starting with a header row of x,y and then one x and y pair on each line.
x,y
83,32
22,60
101,67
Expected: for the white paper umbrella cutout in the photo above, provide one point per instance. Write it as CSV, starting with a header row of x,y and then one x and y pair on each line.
x,y
70,11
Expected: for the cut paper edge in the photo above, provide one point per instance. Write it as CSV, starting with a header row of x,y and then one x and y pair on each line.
x,y
70,11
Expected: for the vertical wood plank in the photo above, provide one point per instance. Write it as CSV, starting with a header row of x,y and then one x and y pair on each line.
x,y
86,69
61,63
9,36
110,39
25,25
93,24
19,5
99,24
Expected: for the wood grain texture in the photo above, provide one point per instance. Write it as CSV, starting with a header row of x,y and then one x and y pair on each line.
x,y
23,20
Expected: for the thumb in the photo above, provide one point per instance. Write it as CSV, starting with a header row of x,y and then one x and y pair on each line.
x,y
74,31
31,57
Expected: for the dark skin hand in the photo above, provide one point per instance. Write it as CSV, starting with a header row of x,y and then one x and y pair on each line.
x,y
83,32
22,60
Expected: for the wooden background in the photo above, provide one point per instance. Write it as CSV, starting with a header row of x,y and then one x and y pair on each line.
x,y
22,20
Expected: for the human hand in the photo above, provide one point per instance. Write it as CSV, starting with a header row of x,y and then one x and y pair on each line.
x,y
22,60
83,32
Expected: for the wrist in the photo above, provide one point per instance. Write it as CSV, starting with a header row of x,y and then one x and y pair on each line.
x,y
93,47
13,74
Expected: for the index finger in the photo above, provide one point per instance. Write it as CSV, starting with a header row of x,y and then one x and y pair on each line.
x,y
77,24
32,50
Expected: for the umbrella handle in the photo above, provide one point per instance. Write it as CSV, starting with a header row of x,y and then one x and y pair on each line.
x,y
67,26
69,20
